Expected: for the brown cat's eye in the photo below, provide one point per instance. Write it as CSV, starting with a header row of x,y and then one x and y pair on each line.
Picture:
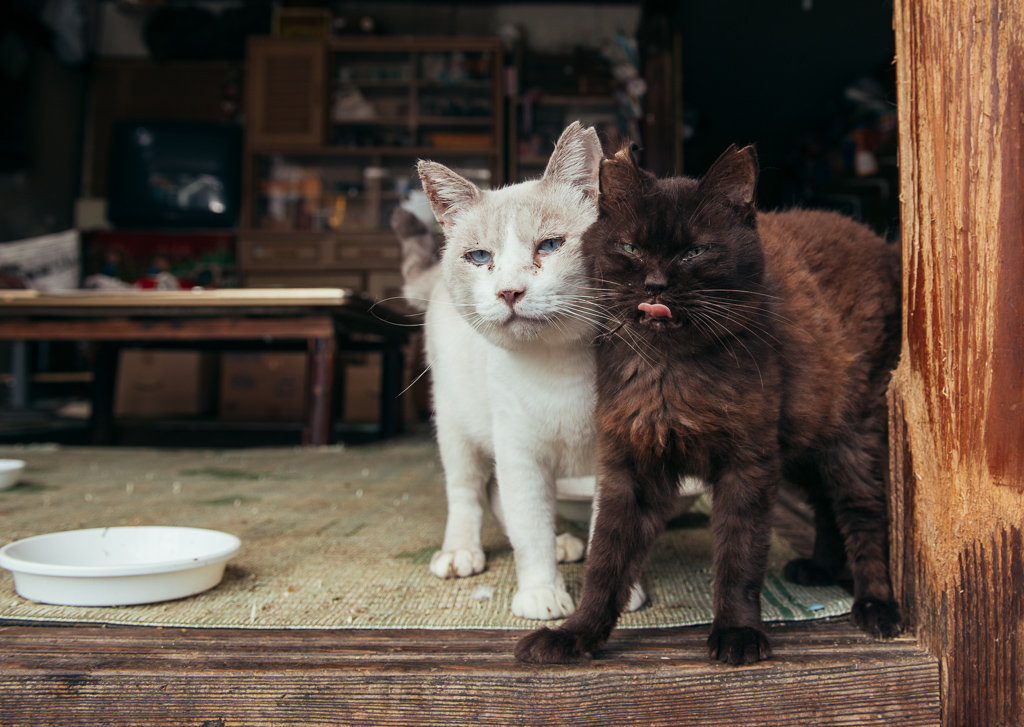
x,y
694,252
630,249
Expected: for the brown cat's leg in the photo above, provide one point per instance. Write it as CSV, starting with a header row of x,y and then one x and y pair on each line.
x,y
850,468
741,524
630,517
828,561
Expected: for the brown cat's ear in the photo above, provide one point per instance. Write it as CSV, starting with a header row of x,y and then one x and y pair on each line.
x,y
576,160
449,194
621,178
733,178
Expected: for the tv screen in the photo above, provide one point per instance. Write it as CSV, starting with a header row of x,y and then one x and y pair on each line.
x,y
174,174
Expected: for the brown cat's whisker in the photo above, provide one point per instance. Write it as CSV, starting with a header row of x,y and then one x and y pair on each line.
x,y
708,325
745,321
752,330
767,311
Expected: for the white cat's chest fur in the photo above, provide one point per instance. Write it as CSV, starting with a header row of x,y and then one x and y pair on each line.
x,y
548,394
540,398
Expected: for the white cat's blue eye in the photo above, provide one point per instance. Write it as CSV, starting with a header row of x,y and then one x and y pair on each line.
x,y
695,251
478,257
550,245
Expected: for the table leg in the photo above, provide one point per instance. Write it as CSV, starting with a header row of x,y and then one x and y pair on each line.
x,y
104,383
20,376
319,405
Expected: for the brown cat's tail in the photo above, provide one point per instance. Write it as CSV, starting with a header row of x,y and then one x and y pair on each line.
x,y
420,268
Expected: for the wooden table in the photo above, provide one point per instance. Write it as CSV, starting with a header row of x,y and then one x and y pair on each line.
x,y
324,319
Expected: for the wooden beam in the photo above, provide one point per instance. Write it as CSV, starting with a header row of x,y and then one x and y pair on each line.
x,y
957,399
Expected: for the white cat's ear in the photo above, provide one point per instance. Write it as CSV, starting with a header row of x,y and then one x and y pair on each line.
x,y
576,160
733,177
449,194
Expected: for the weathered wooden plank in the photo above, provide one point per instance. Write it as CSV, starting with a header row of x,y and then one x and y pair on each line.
x,y
821,674
75,648
957,400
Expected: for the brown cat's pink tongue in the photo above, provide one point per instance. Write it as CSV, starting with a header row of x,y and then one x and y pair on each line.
x,y
655,310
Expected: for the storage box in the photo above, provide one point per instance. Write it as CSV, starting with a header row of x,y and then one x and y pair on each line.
x,y
268,386
363,386
157,383
362,391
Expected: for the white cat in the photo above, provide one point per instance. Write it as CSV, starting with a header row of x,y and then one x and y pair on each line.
x,y
509,328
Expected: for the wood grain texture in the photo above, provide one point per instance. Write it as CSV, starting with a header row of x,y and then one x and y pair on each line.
x,y
957,400
821,674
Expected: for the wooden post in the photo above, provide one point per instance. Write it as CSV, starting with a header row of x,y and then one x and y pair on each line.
x,y
957,399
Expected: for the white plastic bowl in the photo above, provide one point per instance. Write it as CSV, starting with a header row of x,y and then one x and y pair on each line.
x,y
10,471
575,498
118,566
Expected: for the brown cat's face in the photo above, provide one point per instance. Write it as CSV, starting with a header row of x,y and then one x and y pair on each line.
x,y
677,255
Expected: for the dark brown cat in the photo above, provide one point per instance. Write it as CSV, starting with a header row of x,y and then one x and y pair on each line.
x,y
746,346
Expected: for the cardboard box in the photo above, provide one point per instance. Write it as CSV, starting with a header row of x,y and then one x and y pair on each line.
x,y
152,384
269,386
361,404
362,391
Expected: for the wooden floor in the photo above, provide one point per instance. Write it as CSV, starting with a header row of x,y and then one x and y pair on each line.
x,y
822,673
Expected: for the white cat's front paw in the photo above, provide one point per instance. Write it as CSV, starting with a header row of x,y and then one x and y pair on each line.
x,y
569,548
457,563
542,604
637,598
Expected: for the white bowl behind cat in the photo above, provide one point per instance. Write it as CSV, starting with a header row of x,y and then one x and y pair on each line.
x,y
575,498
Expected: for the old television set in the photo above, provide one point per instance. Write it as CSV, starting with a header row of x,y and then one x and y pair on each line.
x,y
174,174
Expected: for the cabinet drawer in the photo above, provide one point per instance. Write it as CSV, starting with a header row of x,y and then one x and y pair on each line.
x,y
374,254
263,254
301,279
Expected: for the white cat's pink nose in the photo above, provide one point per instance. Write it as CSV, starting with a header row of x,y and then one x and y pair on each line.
x,y
511,296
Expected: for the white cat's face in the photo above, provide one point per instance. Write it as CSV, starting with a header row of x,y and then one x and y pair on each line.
x,y
512,260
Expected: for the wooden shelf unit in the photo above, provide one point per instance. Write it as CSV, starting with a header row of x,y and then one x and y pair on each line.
x,y
334,130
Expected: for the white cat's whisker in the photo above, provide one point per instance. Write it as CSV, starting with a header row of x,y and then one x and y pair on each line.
x,y
422,374
586,301
586,314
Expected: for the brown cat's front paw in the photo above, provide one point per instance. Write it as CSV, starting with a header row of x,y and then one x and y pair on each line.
x,y
551,646
737,646
879,618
